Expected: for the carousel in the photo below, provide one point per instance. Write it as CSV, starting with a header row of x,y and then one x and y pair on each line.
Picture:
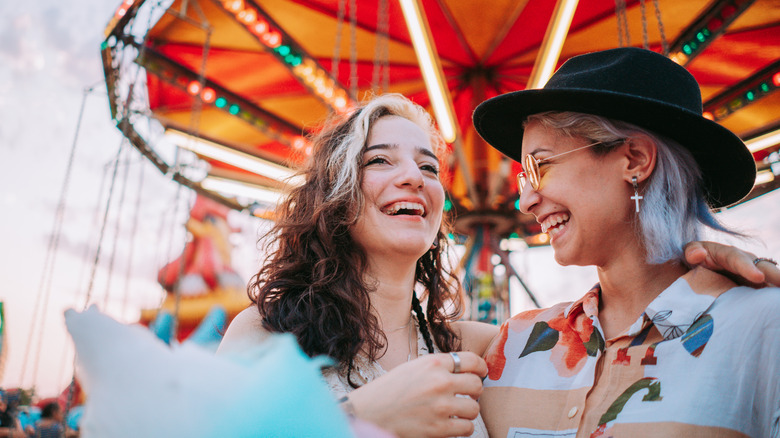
x,y
236,86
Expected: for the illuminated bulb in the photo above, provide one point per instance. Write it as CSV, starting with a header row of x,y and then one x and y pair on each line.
x,y
328,93
208,95
249,16
299,143
679,58
776,79
283,50
340,102
193,88
129,2
235,5
708,115
272,39
260,27
121,12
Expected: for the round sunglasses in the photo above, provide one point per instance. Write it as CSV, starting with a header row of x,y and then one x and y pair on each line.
x,y
530,172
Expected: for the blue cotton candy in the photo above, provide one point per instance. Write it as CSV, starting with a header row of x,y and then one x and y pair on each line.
x,y
136,385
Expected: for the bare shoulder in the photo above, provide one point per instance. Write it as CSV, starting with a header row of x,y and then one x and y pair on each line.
x,y
475,336
245,330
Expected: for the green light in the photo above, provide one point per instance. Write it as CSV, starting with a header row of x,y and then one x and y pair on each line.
x,y
706,32
447,205
289,58
220,102
750,95
103,45
517,204
764,87
296,61
687,49
700,36
514,236
234,109
694,45
451,236
283,50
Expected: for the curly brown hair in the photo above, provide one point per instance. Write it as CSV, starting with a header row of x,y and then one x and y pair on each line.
x,y
312,284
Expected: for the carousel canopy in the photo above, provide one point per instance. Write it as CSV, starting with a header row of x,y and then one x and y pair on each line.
x,y
241,83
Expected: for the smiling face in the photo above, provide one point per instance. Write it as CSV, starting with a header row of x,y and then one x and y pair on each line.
x,y
403,197
582,202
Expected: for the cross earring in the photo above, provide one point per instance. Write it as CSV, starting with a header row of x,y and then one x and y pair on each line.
x,y
636,196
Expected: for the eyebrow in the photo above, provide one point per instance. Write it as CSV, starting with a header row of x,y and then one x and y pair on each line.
x,y
385,146
539,149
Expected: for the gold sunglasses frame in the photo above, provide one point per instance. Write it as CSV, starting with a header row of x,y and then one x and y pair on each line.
x,y
530,172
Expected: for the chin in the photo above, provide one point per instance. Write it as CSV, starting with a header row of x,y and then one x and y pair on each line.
x,y
567,259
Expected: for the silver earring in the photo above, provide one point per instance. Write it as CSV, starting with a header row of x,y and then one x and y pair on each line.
x,y
636,198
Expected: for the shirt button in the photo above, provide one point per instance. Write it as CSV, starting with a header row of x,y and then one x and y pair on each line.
x,y
573,412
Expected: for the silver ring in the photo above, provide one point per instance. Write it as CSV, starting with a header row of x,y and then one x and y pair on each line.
x,y
456,363
758,260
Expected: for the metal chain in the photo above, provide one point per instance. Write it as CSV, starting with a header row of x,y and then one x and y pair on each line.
x,y
54,239
380,49
133,233
117,229
103,225
334,67
664,43
353,78
624,39
645,42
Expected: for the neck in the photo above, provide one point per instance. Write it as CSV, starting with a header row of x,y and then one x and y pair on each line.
x,y
628,285
393,283
392,296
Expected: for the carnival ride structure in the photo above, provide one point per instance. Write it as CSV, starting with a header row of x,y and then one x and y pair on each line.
x,y
241,84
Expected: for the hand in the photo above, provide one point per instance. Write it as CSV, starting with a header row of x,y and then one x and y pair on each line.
x,y
735,262
419,398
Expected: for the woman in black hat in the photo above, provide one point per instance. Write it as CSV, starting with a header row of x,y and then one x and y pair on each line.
x,y
621,169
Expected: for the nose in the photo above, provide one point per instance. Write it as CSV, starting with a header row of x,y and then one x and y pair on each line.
x,y
410,175
528,199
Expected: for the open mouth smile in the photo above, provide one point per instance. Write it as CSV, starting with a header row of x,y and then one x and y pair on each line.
x,y
404,208
552,224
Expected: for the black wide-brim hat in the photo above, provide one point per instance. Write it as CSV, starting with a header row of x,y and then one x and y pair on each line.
x,y
637,86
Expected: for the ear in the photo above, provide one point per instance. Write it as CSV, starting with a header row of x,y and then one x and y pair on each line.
x,y
640,153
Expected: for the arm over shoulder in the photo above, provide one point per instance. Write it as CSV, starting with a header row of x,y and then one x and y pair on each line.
x,y
475,336
245,330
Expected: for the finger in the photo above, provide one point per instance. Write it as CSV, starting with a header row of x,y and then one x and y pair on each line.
x,y
455,427
465,408
771,273
467,384
695,253
732,260
472,363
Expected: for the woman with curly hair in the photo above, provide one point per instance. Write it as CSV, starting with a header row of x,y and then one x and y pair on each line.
x,y
350,251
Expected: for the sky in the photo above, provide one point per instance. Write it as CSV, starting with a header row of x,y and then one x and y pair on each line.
x,y
49,56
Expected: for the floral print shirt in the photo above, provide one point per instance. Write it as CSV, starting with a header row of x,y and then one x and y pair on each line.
x,y
703,360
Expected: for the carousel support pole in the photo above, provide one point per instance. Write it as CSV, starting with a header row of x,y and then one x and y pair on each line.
x,y
512,272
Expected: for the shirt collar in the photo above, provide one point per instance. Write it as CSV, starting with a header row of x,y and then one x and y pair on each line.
x,y
673,310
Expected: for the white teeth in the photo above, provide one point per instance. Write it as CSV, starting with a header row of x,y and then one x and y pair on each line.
x,y
553,221
415,207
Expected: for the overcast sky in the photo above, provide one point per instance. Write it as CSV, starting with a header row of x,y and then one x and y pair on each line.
x,y
49,54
